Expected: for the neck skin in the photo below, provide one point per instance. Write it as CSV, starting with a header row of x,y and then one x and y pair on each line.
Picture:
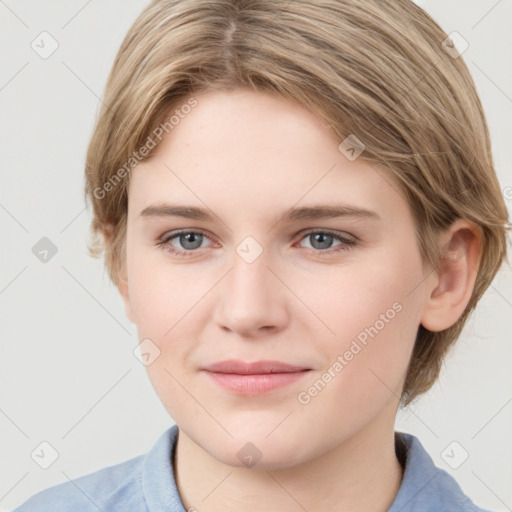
x,y
362,473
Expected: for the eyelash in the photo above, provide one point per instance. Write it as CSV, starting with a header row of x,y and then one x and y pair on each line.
x,y
346,244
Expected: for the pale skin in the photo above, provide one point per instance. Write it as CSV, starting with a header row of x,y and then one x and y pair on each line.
x,y
246,158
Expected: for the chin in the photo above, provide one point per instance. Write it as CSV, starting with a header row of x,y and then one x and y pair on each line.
x,y
253,450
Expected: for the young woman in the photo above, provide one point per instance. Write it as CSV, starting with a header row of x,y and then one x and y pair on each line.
x,y
298,205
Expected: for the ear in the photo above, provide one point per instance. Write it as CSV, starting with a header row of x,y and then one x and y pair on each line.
x,y
450,286
122,286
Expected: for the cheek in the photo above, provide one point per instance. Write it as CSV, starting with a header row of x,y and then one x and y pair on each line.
x,y
160,294
364,295
374,314
165,301
365,362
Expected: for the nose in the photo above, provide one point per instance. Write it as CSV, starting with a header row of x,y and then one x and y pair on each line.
x,y
251,299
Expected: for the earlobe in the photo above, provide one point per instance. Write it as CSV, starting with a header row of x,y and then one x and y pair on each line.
x,y
450,286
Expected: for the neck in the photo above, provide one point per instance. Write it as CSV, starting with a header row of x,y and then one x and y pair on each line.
x,y
362,473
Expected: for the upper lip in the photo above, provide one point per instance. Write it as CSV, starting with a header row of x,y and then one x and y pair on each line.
x,y
253,368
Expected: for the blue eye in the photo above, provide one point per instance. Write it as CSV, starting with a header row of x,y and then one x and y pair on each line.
x,y
321,241
188,239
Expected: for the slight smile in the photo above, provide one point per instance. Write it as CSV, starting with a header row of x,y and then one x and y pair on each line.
x,y
254,378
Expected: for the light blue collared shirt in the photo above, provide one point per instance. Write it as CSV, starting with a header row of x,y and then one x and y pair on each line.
x,y
146,484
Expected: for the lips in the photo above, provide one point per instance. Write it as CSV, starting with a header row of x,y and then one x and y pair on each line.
x,y
256,368
255,378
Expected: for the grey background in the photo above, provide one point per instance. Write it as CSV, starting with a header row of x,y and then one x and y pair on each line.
x,y
67,369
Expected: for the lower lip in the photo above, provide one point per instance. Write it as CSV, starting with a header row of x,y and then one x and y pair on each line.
x,y
257,384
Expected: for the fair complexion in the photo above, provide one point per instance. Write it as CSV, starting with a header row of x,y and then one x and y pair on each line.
x,y
246,158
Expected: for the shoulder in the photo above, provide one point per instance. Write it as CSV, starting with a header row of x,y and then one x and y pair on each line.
x,y
111,489
140,484
425,487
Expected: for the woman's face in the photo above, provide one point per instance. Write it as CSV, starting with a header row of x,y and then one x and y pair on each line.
x,y
263,277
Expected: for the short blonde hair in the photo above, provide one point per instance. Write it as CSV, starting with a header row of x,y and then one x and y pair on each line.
x,y
378,69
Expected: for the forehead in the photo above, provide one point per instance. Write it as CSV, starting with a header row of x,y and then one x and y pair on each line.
x,y
257,153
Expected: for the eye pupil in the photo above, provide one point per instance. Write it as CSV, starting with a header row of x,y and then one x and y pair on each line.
x,y
185,240
324,240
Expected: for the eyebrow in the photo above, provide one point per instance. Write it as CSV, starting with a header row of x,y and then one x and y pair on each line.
x,y
290,215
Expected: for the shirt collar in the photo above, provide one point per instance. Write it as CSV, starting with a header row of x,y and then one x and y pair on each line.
x,y
425,487
158,483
